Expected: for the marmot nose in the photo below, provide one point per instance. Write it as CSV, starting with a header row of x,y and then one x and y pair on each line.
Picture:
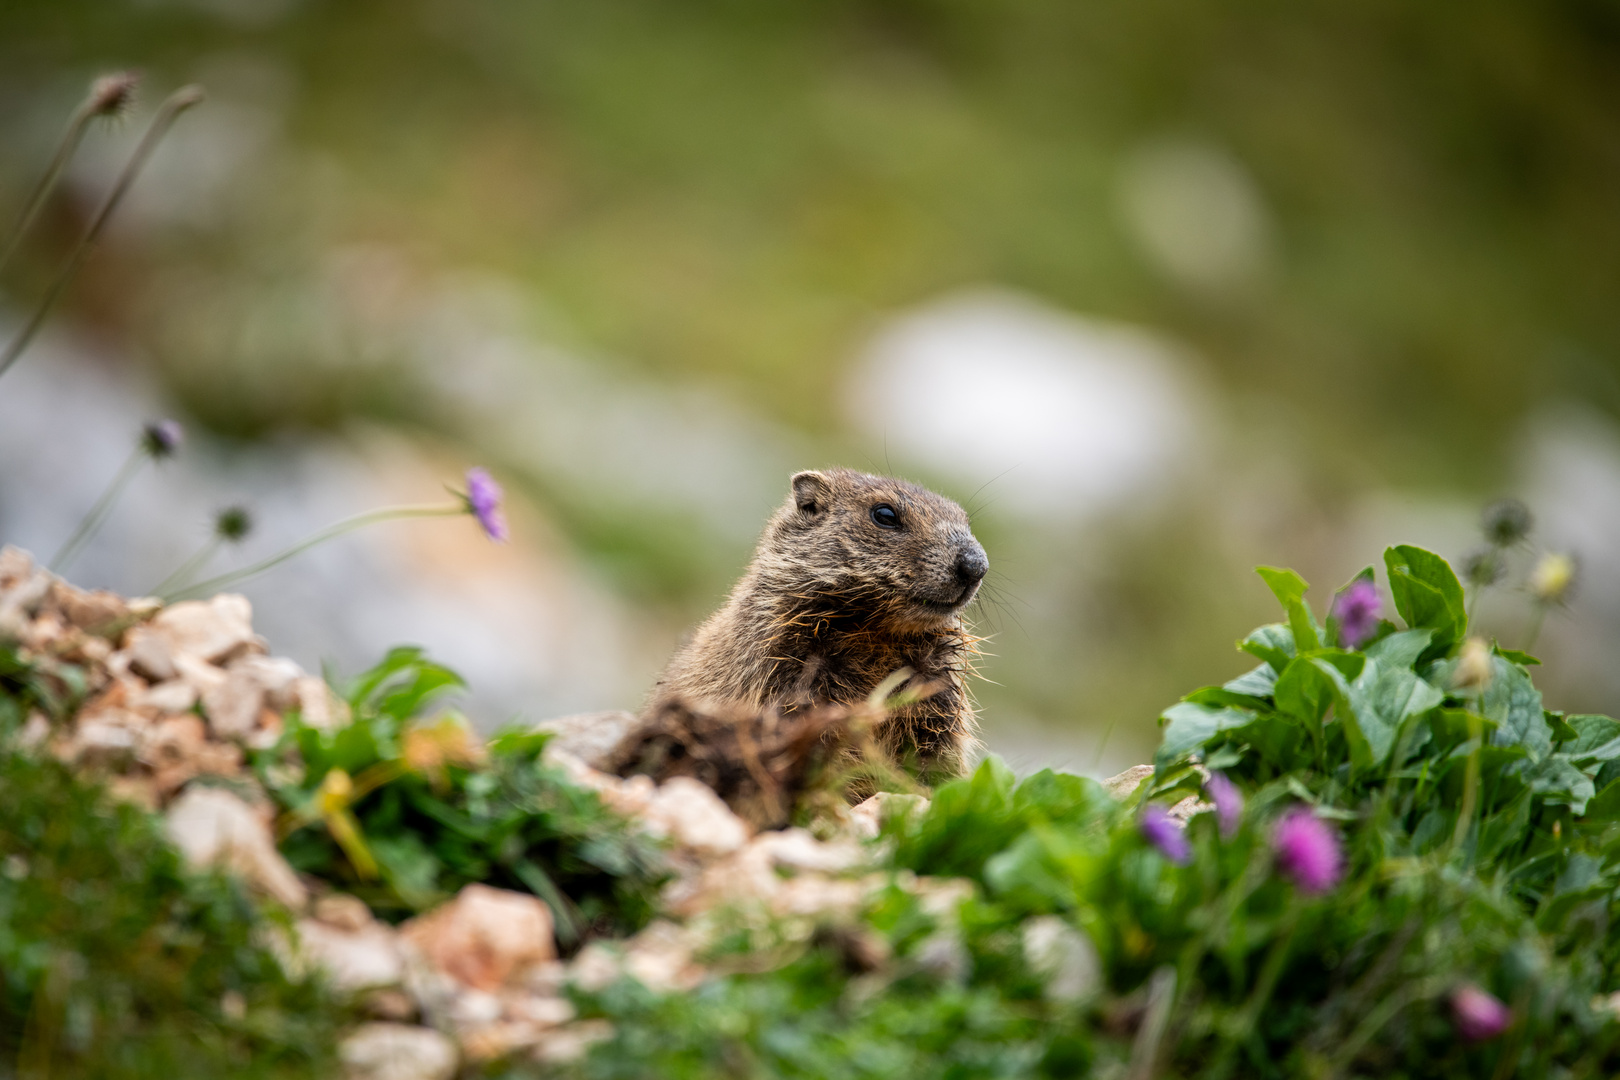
x,y
971,565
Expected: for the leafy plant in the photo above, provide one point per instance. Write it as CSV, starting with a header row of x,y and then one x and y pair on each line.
x,y
1414,875
117,962
403,812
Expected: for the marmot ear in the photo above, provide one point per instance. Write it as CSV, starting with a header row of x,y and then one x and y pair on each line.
x,y
812,491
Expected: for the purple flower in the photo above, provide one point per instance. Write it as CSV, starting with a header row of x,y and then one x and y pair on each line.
x,y
1479,1015
162,437
484,500
1165,833
1308,851
1228,802
1357,612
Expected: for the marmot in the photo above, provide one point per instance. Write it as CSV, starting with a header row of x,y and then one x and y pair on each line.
x,y
856,577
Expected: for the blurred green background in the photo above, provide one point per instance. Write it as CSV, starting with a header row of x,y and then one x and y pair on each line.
x,y
1375,245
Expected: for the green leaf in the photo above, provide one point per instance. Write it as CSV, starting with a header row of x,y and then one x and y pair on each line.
x,y
1605,805
1219,695
1188,726
1273,643
1279,742
1517,657
1257,682
1382,698
410,868
1558,782
1059,797
1401,649
1504,829
1427,592
1515,704
1597,738
1304,692
1289,589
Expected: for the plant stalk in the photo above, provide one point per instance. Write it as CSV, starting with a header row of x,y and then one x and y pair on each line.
x,y
371,517
176,103
98,513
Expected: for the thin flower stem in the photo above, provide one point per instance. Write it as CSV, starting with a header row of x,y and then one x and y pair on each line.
x,y
98,513
177,102
1465,813
1535,625
371,517
198,560
77,126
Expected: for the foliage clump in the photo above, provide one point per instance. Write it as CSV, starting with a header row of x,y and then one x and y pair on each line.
x,y
115,961
413,811
1468,931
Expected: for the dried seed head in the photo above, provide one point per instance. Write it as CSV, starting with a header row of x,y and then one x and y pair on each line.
x,y
1473,671
1506,522
112,95
1482,567
1553,577
233,523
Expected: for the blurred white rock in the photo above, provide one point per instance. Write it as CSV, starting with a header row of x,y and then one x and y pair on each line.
x,y
1067,418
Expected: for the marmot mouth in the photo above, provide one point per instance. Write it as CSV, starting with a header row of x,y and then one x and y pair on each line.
x,y
947,607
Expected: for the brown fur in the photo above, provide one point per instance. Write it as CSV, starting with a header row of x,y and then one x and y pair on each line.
x,y
833,604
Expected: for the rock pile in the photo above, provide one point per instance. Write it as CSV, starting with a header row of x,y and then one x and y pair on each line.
x,y
173,696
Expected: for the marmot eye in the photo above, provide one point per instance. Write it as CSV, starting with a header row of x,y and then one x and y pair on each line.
x,y
885,516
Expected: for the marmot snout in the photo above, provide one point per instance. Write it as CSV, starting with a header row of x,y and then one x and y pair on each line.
x,y
856,577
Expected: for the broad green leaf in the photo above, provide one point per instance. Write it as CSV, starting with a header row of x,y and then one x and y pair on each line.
x,y
1060,797
1279,742
1401,649
1517,657
1258,682
1561,731
1273,643
1605,805
1580,881
1303,692
1219,695
1383,697
1426,592
1558,782
1515,704
1187,726
1597,738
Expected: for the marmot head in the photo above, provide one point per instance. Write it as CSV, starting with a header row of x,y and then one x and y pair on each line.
x,y
905,550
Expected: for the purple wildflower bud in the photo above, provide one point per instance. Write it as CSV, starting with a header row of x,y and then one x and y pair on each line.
x,y
162,438
484,501
1308,851
1228,802
1357,612
1165,833
1479,1015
